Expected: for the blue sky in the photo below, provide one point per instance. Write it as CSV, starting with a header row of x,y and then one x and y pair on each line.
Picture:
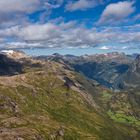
x,y
70,26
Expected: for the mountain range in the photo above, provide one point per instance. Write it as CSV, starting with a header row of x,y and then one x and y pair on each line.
x,y
110,70
66,97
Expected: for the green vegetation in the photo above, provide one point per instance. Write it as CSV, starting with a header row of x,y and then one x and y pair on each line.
x,y
106,95
42,107
122,118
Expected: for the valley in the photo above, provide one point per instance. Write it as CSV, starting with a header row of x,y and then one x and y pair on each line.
x,y
55,98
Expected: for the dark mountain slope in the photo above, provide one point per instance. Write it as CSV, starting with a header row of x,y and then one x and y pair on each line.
x,y
9,66
131,79
104,68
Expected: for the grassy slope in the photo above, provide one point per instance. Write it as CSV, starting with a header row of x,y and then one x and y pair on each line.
x,y
42,108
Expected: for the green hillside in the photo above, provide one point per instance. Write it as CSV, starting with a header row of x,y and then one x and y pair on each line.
x,y
52,102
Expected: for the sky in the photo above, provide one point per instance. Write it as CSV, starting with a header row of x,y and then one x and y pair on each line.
x,y
70,26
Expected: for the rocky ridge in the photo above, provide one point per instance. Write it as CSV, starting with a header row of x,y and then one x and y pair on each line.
x,y
50,100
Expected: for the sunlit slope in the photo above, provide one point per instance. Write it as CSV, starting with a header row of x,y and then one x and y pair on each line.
x,y
49,102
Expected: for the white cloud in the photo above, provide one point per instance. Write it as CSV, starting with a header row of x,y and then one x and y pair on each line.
x,y
57,33
14,12
81,5
104,48
69,35
125,47
26,6
14,45
38,32
7,6
116,12
53,3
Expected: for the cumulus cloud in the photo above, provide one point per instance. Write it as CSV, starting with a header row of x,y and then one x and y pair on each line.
x,y
14,12
26,6
53,3
7,6
117,12
104,48
11,11
56,33
38,32
81,5
68,35
15,45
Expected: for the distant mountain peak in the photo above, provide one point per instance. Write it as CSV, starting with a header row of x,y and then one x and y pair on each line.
x,y
14,54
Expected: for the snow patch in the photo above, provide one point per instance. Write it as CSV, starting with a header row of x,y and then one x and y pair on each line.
x,y
8,52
